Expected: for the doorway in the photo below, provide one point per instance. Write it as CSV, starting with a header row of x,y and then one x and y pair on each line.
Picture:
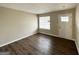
x,y
65,26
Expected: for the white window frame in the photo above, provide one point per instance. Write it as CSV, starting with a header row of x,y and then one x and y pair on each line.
x,y
41,27
64,18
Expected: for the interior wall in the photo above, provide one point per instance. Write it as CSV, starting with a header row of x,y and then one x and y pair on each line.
x,y
77,27
54,22
15,25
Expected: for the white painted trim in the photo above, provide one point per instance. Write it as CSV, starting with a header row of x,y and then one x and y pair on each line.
x,y
77,46
70,17
16,40
69,39
55,35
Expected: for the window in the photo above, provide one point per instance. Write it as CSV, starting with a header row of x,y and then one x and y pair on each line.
x,y
64,18
44,22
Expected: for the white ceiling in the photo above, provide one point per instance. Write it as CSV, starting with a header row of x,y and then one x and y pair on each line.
x,y
38,8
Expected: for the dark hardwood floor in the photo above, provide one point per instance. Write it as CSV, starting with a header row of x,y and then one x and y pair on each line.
x,y
40,44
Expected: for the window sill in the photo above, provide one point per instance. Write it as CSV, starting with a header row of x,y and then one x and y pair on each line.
x,y
43,29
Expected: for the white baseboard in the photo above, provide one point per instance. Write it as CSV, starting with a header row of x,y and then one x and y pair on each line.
x,y
55,35
16,40
58,36
77,46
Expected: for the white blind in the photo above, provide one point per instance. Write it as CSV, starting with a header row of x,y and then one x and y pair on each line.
x,y
44,22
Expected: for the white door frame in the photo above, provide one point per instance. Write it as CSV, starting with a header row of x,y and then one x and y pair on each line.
x,y
60,34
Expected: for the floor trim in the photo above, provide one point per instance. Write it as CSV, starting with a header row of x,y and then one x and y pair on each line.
x,y
77,46
55,36
16,40
41,44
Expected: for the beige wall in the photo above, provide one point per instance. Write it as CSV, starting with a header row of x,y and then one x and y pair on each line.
x,y
77,28
15,25
54,22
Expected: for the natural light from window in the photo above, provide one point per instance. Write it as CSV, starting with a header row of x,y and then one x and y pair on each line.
x,y
44,22
64,18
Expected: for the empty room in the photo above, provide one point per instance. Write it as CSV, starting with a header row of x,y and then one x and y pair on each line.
x,y
39,29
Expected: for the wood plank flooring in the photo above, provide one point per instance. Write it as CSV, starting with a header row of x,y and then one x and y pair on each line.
x,y
40,44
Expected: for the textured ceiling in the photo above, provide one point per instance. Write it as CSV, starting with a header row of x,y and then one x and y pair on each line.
x,y
38,8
